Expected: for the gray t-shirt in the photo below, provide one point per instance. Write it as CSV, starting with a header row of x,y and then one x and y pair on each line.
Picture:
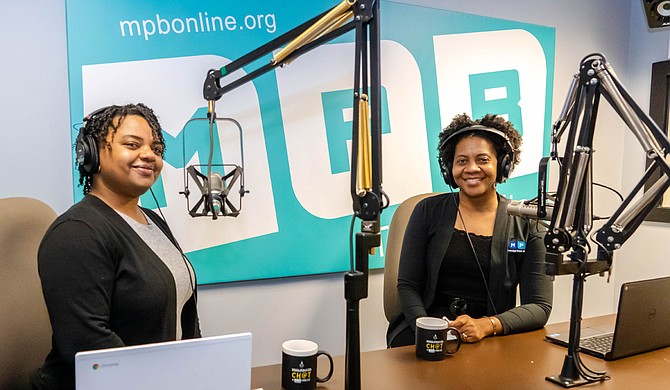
x,y
181,270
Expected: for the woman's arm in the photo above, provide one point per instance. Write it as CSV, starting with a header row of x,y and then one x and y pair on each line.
x,y
412,266
77,274
535,287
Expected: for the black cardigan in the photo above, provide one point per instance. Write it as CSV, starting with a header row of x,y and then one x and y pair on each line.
x,y
104,287
425,244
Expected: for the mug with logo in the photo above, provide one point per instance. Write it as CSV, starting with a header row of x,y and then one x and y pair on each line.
x,y
435,339
299,361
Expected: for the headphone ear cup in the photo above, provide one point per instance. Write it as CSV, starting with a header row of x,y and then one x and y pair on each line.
x,y
87,155
504,168
445,168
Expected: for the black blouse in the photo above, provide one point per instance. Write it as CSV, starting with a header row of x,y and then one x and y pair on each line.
x,y
461,286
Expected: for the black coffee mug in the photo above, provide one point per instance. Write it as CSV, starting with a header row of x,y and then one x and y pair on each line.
x,y
435,339
298,367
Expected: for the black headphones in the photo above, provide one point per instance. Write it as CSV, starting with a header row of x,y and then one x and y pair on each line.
x,y
86,148
505,162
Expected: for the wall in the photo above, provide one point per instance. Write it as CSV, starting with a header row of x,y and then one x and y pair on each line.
x,y
644,255
34,148
34,119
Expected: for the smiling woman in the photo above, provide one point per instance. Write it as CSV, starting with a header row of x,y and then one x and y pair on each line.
x,y
461,256
130,163
112,273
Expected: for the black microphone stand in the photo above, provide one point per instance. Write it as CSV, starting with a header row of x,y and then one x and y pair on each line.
x,y
355,289
572,219
367,201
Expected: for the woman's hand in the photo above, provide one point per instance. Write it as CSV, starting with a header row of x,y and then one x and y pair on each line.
x,y
473,329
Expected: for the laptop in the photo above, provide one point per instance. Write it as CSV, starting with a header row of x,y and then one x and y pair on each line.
x,y
219,362
642,323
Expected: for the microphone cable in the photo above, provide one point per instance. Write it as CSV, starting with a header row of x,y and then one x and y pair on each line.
x,y
474,252
210,198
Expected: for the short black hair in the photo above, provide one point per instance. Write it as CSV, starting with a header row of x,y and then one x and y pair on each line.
x,y
99,124
446,150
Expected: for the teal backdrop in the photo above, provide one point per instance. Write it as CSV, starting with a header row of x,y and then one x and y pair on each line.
x,y
296,121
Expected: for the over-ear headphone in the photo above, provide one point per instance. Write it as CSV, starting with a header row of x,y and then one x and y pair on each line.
x,y
505,162
86,148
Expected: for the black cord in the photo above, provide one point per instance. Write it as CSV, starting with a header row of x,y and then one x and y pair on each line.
x,y
479,265
585,372
351,244
474,252
609,188
187,263
386,198
212,119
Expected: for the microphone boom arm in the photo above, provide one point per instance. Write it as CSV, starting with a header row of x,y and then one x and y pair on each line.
x,y
573,207
367,202
572,218
366,170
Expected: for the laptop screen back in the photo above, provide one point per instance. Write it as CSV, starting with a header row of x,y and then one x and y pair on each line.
x,y
643,320
220,362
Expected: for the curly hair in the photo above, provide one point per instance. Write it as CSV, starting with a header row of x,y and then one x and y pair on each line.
x,y
446,150
101,122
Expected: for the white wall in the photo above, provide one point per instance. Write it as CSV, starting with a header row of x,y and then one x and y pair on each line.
x,y
35,146
644,255
34,105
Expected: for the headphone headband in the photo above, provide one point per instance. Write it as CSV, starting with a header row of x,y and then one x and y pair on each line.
x,y
478,128
86,148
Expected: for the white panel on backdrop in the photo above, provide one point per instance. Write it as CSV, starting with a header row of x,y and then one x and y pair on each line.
x,y
457,56
172,87
405,158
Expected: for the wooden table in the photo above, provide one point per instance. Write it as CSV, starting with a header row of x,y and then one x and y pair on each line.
x,y
520,361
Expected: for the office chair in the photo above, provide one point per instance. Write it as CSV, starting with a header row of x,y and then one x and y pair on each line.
x,y
25,330
392,256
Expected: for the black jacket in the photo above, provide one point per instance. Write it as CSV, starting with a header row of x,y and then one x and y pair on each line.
x,y
104,287
425,244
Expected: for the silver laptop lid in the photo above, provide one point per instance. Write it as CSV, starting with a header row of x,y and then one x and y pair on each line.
x,y
219,362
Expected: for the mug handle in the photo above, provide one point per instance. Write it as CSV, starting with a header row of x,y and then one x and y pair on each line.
x,y
330,372
458,340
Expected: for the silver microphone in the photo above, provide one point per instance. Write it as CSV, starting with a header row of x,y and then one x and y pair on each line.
x,y
521,208
216,186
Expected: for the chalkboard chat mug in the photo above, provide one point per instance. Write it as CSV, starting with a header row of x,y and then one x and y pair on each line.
x,y
435,339
299,361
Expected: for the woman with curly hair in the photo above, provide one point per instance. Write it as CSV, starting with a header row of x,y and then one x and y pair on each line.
x,y
463,257
112,273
